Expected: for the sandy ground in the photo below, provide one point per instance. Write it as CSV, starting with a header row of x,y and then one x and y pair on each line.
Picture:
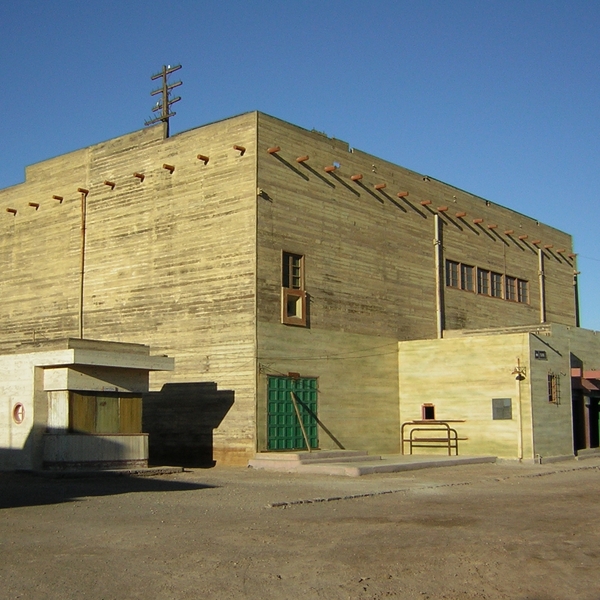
x,y
476,531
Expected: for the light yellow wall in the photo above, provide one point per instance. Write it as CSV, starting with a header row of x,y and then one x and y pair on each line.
x,y
169,261
460,377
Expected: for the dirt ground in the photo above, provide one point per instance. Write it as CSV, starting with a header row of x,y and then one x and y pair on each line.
x,y
474,531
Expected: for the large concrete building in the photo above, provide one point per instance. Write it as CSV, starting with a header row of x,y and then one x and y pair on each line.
x,y
282,265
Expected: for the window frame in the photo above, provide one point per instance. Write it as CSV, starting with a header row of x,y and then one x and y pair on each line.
x,y
452,274
466,277
502,412
294,300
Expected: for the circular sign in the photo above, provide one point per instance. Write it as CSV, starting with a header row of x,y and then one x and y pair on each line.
x,y
18,413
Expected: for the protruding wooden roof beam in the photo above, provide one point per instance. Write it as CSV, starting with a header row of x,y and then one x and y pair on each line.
x,y
110,184
240,149
356,177
59,198
302,159
203,158
169,168
273,150
140,176
380,186
402,194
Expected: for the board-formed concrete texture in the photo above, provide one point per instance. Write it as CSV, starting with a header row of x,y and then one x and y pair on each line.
x,y
183,246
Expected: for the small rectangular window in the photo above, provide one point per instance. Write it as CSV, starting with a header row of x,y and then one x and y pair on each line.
x,y
292,271
466,278
522,291
483,282
501,409
511,288
554,388
428,412
293,297
496,287
451,273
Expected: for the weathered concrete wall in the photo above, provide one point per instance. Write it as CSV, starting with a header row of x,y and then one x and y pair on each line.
x,y
370,276
169,260
552,425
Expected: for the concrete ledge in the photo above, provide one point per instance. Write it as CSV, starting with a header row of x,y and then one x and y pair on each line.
x,y
588,453
357,466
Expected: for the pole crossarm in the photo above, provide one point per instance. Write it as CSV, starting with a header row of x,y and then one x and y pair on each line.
x,y
164,104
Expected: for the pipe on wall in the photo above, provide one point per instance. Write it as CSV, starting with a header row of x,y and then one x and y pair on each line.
x,y
82,259
439,276
542,278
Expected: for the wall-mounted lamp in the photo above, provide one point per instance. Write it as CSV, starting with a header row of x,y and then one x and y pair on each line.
x,y
519,371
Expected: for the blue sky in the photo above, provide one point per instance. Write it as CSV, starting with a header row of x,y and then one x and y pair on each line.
x,y
500,98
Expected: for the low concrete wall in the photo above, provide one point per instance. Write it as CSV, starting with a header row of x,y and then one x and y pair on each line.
x,y
95,451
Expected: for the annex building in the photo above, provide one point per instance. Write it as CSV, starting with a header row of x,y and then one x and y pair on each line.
x,y
283,271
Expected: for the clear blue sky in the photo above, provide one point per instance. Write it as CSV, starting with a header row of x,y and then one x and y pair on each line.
x,y
500,98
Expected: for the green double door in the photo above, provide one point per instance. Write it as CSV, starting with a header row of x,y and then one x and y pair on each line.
x,y
284,431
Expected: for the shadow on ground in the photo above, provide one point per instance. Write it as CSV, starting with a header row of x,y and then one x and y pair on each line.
x,y
25,489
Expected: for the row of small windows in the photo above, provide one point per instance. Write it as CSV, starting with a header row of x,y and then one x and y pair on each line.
x,y
486,283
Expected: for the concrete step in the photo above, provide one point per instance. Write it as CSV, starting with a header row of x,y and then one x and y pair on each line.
x,y
356,466
290,461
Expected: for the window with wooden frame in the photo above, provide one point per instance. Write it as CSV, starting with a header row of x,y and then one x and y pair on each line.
x,y
510,288
522,291
451,273
496,285
483,282
554,388
466,278
293,295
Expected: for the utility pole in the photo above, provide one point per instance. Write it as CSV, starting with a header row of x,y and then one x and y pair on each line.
x,y
164,104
